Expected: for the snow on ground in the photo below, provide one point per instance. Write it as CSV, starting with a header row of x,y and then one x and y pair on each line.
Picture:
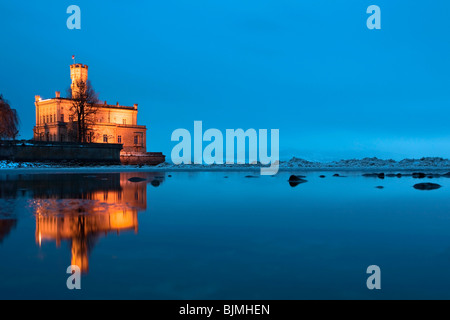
x,y
293,164
369,163
5,164
298,163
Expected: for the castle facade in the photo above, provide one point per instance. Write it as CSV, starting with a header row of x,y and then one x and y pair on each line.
x,y
55,122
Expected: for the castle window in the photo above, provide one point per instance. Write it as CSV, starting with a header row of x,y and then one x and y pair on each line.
x,y
51,118
105,138
119,139
47,118
136,139
62,118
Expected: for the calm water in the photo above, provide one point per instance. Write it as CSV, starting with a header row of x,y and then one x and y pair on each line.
x,y
204,236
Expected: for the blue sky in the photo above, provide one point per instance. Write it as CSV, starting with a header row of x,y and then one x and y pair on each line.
x,y
311,69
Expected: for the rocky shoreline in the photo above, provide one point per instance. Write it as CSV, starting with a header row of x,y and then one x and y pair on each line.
x,y
295,164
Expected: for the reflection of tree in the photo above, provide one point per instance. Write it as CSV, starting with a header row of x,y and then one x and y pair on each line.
x,y
6,225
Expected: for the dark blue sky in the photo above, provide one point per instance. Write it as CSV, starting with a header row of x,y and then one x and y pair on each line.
x,y
309,68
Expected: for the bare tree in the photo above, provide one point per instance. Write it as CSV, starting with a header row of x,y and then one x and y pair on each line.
x,y
9,121
83,109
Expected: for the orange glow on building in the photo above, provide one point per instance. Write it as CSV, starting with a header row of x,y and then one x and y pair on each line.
x,y
55,122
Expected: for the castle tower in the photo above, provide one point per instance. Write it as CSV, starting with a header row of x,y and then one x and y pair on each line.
x,y
78,72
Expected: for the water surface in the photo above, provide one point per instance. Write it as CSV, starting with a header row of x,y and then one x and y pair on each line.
x,y
220,235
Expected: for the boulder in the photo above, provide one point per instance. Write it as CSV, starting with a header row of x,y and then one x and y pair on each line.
x,y
296,180
418,175
295,177
427,186
370,175
155,183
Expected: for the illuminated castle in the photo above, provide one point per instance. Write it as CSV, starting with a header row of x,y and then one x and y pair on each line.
x,y
112,124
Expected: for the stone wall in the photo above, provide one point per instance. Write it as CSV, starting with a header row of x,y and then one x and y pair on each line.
x,y
144,158
38,151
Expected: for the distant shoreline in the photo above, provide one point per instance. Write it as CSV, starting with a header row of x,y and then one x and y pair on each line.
x,y
435,164
125,168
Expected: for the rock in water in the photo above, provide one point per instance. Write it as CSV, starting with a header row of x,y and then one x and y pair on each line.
x,y
322,176
136,179
419,175
370,175
296,180
296,183
155,183
379,187
427,186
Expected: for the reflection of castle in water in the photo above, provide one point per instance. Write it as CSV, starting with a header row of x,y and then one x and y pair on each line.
x,y
81,208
